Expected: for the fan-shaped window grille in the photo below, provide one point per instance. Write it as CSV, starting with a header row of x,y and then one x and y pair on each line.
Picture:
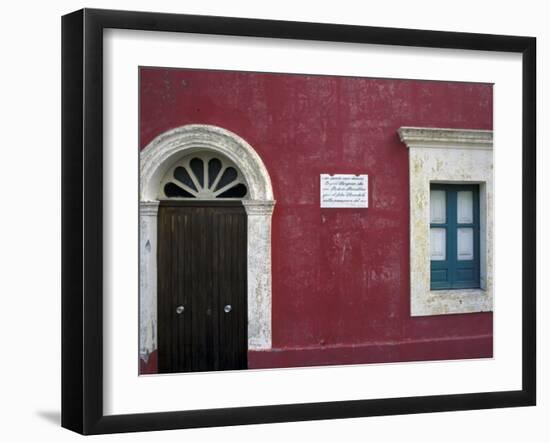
x,y
203,176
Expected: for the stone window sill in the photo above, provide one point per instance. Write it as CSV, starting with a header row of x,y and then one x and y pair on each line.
x,y
455,301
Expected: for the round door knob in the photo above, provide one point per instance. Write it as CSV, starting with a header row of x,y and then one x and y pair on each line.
x,y
227,309
179,309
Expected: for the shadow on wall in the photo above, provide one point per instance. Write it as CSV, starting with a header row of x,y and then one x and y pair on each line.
x,y
54,417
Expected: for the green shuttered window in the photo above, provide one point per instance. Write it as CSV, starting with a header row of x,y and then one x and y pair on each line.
x,y
454,236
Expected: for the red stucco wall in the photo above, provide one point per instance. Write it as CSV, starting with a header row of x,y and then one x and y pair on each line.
x,y
340,276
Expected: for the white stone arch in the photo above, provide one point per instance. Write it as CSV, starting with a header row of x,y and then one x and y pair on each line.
x,y
155,159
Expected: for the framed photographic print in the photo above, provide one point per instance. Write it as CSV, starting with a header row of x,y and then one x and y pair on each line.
x,y
270,221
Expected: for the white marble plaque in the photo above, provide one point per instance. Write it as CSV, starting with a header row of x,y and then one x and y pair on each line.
x,y
344,191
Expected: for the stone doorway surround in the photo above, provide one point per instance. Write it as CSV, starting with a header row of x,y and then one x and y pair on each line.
x,y
155,159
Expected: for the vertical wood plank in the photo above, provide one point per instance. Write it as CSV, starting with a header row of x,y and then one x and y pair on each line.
x,y
202,266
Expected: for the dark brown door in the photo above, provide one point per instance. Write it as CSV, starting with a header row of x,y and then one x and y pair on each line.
x,y
202,289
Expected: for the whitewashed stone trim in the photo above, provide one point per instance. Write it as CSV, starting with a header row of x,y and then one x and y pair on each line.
x,y
446,138
148,212
175,144
155,160
448,156
259,207
259,272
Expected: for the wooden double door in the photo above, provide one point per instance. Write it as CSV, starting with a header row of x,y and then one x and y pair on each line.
x,y
202,286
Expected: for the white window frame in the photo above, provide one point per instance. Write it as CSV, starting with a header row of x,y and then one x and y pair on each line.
x,y
457,156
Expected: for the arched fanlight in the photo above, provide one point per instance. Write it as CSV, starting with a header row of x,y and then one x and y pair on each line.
x,y
203,176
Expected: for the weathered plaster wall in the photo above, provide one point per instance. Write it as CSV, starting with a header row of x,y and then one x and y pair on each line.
x,y
340,282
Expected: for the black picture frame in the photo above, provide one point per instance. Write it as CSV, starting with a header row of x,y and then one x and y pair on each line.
x,y
82,215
